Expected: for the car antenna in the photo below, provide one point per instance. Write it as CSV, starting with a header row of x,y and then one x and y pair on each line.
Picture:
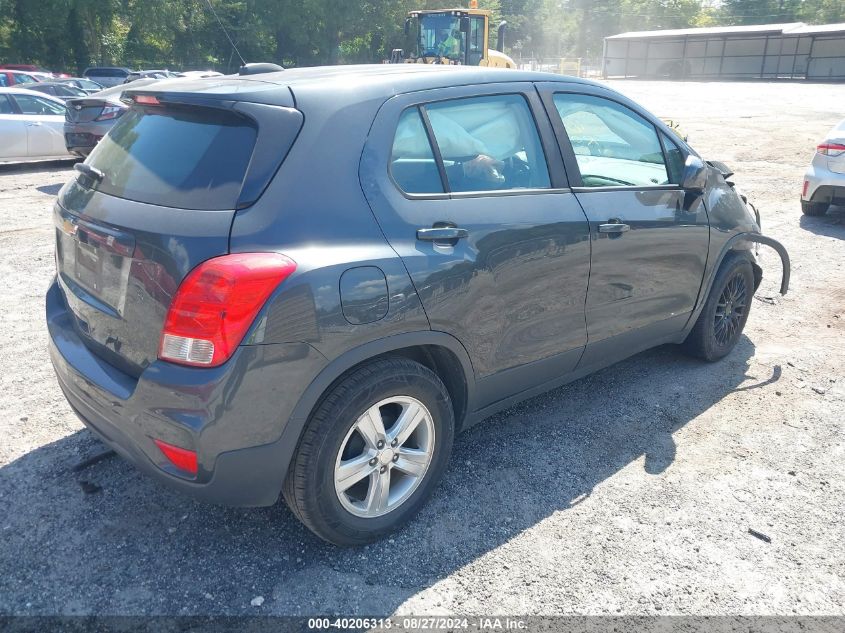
x,y
225,32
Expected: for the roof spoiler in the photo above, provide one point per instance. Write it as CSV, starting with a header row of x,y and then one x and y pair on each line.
x,y
259,68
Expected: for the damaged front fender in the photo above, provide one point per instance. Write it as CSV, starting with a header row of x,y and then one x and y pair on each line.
x,y
765,240
781,250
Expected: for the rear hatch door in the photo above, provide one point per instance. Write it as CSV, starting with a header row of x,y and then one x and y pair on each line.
x,y
172,176
84,109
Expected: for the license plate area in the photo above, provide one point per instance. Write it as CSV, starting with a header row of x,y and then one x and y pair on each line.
x,y
94,263
88,268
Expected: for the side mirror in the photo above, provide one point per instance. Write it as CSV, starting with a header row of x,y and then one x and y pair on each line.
x,y
407,26
695,174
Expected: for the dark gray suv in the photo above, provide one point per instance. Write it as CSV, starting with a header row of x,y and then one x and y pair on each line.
x,y
306,282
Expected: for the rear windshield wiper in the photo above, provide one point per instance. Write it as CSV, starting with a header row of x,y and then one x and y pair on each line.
x,y
92,172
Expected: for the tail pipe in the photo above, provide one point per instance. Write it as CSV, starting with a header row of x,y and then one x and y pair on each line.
x,y
781,250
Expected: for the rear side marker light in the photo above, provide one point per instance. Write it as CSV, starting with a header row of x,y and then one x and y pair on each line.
x,y
831,149
182,458
806,186
216,304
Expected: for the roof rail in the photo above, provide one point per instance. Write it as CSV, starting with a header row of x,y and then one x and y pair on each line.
x,y
259,68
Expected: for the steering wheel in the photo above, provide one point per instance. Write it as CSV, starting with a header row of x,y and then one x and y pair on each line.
x,y
517,173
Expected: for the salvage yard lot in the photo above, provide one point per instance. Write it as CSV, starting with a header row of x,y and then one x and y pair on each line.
x,y
631,491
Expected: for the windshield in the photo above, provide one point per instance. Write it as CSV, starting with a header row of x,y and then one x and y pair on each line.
x,y
440,36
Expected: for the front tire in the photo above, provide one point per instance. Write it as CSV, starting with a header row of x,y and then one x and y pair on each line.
x,y
372,452
814,209
720,324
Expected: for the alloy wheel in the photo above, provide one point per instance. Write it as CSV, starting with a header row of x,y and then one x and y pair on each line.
x,y
730,310
384,456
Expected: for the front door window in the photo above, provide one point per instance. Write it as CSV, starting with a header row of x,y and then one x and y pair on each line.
x,y
613,145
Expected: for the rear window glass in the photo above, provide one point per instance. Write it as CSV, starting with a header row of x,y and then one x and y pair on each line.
x,y
176,157
106,72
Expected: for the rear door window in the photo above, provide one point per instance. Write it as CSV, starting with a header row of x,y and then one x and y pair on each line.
x,y
485,143
613,145
191,158
489,144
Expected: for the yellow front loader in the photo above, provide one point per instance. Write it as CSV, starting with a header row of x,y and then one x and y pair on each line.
x,y
452,36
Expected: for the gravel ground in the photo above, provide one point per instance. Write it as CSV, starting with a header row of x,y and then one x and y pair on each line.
x,y
628,492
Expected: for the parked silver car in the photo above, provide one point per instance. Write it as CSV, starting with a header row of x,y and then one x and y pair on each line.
x,y
30,126
824,182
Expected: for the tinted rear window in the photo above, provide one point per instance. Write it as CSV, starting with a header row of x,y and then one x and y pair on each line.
x,y
189,158
106,72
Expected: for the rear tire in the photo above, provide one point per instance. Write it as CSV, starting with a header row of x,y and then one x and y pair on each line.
x,y
354,435
720,324
814,209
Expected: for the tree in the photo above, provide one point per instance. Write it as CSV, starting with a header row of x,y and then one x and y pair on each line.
x,y
72,34
760,11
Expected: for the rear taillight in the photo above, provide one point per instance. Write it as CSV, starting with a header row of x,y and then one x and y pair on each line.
x,y
110,112
215,305
831,149
804,190
182,458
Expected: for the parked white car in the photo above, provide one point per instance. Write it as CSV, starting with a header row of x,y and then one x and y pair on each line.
x,y
824,182
31,126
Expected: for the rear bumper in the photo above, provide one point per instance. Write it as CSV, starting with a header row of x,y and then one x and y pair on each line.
x,y
81,142
233,416
82,137
824,185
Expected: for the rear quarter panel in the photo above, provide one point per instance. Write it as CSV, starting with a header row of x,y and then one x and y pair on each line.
x,y
314,211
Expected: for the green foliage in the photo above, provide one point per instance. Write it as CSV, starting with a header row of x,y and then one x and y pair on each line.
x,y
760,11
72,34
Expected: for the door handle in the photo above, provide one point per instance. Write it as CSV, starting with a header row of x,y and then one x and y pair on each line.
x,y
442,234
33,123
614,227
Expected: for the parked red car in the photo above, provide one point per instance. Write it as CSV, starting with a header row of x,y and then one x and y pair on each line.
x,y
27,68
16,77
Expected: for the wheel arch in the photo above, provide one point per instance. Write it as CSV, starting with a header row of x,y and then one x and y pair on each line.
x,y
440,352
739,245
